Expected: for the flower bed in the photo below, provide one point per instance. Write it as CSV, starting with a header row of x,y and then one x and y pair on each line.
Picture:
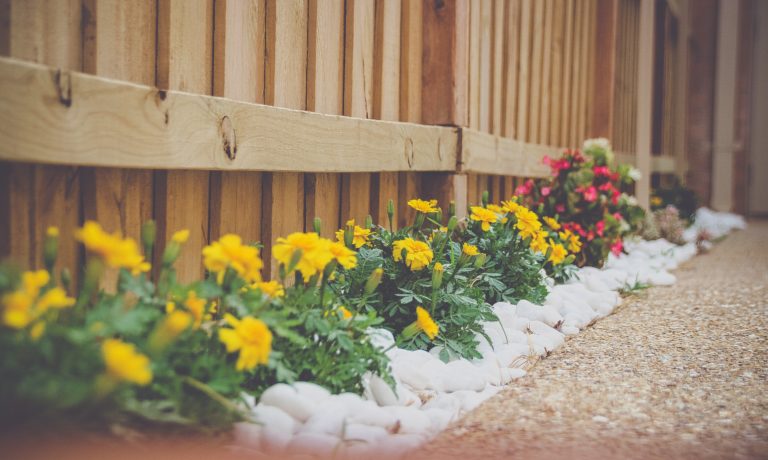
x,y
375,341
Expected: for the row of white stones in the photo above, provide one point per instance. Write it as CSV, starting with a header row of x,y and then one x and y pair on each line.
x,y
306,419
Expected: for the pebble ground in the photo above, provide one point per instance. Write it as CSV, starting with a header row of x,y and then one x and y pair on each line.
x,y
676,372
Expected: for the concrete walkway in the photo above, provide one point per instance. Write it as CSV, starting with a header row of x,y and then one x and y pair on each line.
x,y
677,372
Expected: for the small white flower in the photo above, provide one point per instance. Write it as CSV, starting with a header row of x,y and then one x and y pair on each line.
x,y
631,200
635,174
600,143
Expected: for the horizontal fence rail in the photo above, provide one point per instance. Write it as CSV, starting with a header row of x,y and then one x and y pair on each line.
x,y
52,116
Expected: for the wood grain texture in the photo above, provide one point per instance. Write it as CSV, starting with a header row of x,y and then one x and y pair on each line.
x,y
445,62
238,73
557,81
535,100
566,106
498,65
386,94
112,123
488,154
184,63
325,93
358,98
512,37
474,65
644,108
36,197
603,88
119,42
524,72
411,49
486,55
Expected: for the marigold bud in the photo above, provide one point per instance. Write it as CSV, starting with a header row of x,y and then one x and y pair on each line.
x,y
373,280
317,224
452,223
51,247
485,198
148,235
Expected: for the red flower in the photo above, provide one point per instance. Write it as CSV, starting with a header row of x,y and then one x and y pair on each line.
x,y
615,197
560,207
601,171
590,235
618,216
525,188
600,226
589,193
617,247
545,191
606,187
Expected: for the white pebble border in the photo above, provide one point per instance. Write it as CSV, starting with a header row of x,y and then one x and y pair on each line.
x,y
305,419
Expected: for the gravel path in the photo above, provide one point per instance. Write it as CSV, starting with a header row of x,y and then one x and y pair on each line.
x,y
677,372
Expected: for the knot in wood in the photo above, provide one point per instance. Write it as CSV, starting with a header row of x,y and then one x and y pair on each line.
x,y
63,83
228,138
408,151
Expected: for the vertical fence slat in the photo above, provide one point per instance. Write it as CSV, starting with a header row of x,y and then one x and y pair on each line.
x,y
325,94
604,71
546,73
35,197
445,29
557,81
185,53
285,86
498,86
537,59
119,43
474,64
358,98
411,43
238,73
566,107
512,27
386,96
523,78
486,48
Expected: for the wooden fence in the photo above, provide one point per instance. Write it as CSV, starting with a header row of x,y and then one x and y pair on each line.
x,y
255,116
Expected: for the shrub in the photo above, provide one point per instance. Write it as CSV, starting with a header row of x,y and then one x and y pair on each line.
x,y
587,194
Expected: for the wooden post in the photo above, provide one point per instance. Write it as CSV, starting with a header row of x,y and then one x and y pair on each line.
x,y
725,105
644,102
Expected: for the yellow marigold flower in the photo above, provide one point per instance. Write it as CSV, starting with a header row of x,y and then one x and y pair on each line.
x,y
427,207
124,363
251,337
25,305
37,331
346,257
469,249
180,236
230,251
442,229
417,253
656,201
495,208
539,242
552,223
527,222
438,267
485,216
175,323
315,252
574,244
196,306
270,288
510,206
558,253
426,324
360,235
52,232
345,314
116,251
